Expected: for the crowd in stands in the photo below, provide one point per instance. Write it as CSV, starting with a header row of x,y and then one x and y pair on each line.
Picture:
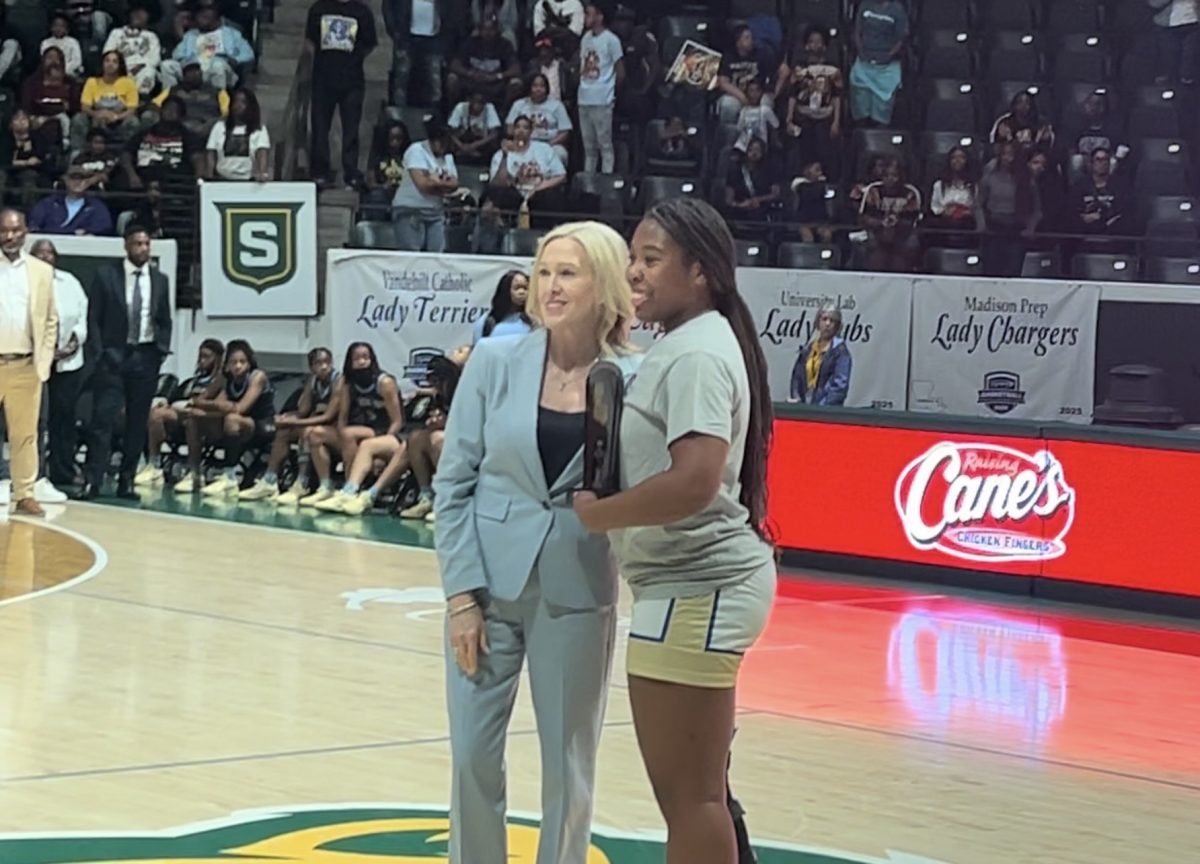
x,y
999,137
111,111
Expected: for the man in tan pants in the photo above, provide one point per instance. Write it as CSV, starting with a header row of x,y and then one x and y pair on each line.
x,y
28,338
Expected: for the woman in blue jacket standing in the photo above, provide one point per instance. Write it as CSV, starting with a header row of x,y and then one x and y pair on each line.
x,y
821,375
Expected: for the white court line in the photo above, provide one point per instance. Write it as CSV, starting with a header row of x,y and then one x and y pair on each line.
x,y
98,553
294,532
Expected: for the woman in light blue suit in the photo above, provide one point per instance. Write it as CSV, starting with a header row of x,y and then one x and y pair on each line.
x,y
523,578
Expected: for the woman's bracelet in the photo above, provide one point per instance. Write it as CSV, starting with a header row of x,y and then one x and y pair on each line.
x,y
463,608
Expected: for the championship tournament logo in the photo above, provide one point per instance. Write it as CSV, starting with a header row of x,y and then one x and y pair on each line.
x,y
1001,391
348,834
984,502
258,243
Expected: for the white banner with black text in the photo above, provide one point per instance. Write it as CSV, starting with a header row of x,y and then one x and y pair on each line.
x,y
1017,349
410,306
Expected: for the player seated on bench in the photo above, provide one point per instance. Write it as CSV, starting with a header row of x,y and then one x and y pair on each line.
x,y
167,418
425,445
352,500
246,408
369,407
317,408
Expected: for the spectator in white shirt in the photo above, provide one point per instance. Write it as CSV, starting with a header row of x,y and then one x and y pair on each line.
x,y
60,37
527,170
140,47
239,147
430,175
474,129
601,71
66,378
551,122
756,119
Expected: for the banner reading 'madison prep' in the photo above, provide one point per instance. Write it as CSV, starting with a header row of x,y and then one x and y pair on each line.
x,y
1021,350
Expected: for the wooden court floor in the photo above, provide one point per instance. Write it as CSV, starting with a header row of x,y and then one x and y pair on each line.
x,y
177,688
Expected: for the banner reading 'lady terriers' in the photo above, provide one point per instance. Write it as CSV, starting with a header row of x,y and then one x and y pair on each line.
x,y
1021,350
875,322
410,306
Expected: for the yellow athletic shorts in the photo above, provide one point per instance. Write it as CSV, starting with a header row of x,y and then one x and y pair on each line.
x,y
699,641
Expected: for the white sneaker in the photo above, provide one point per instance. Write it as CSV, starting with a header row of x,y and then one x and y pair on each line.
x,y
5,492
357,505
316,498
420,510
291,497
190,483
148,476
260,491
220,487
335,503
45,492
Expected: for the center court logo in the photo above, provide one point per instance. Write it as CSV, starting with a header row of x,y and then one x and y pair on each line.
x,y
348,834
985,502
258,243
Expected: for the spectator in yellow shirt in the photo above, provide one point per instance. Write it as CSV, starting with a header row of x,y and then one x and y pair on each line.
x,y
109,101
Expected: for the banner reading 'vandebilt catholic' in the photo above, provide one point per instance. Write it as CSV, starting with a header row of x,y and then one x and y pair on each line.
x,y
1021,350
259,249
410,306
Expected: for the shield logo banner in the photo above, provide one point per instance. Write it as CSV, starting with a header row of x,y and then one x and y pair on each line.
x,y
258,243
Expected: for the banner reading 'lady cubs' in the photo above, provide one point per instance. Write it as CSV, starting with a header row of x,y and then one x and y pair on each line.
x,y
876,311
1022,350
411,307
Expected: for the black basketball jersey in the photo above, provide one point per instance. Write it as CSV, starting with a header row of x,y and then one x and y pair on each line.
x,y
263,407
367,407
322,394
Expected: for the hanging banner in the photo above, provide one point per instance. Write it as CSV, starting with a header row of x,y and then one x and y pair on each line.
x,y
259,255
875,310
988,348
411,306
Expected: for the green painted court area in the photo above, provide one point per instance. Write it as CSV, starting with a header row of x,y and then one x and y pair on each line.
x,y
349,834
379,526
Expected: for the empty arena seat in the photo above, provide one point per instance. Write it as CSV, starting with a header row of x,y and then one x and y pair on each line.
x,y
1073,17
1100,267
1163,167
752,253
948,54
950,105
953,262
521,241
653,189
1174,271
372,234
1008,15
1042,264
599,194
1015,54
1082,57
809,256
1155,112
654,160
825,13
946,15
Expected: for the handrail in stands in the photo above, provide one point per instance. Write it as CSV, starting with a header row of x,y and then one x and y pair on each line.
x,y
292,159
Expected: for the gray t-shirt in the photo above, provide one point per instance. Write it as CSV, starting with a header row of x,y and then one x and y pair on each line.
x,y
693,380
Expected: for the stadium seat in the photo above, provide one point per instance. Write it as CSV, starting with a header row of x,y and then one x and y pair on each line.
x,y
826,13
946,15
521,241
1070,103
1082,57
1174,271
1171,226
1098,267
1155,112
602,195
1004,92
1015,55
654,161
947,54
1163,167
809,256
653,189
1007,15
1042,264
373,235
1139,64
1073,17
752,253
868,143
743,9
953,262
950,105
935,146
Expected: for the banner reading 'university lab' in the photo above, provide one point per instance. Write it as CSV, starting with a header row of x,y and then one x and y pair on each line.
x,y
1022,350
410,306
875,324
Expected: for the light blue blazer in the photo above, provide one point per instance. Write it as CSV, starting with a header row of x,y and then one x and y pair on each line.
x,y
495,517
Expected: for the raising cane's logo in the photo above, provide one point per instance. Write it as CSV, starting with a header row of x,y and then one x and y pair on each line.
x,y
984,502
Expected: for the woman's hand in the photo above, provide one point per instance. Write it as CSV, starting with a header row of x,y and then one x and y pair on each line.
x,y
588,509
468,634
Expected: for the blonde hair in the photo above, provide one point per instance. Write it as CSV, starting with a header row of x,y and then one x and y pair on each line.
x,y
606,255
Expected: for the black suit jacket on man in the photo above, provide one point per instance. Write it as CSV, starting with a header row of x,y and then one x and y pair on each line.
x,y
108,313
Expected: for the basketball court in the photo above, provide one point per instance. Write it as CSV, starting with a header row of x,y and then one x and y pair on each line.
x,y
224,683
